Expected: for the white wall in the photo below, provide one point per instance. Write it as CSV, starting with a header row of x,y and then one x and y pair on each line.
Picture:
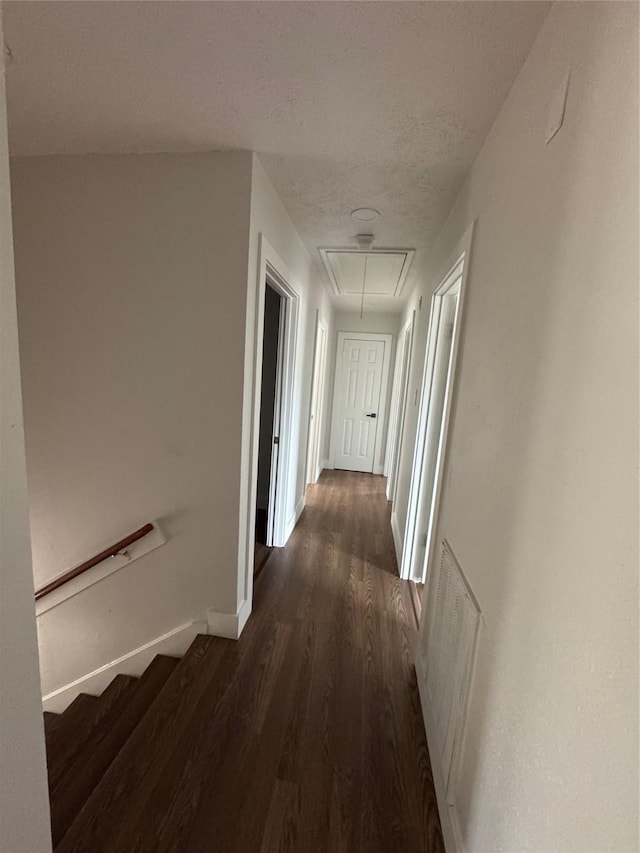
x,y
131,276
24,797
270,218
137,282
540,491
349,321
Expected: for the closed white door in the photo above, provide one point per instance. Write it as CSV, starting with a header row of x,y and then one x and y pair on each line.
x,y
356,403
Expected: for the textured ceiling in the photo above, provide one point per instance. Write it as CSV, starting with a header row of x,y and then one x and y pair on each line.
x,y
380,104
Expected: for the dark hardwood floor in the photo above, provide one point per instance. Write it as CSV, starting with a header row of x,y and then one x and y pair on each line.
x,y
306,735
262,552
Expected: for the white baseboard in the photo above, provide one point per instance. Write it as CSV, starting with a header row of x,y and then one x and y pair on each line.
x,y
300,506
453,839
291,523
388,489
397,538
294,518
326,464
244,611
378,469
175,642
228,625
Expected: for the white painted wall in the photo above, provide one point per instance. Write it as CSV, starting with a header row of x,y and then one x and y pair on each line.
x,y
131,276
349,321
24,797
540,488
137,277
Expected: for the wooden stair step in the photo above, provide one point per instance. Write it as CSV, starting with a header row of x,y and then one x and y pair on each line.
x,y
124,708
50,722
64,731
60,760
175,811
141,760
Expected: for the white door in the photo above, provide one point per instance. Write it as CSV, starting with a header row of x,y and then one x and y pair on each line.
x,y
356,406
433,417
432,421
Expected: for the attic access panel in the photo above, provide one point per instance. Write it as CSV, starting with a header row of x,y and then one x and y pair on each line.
x,y
386,270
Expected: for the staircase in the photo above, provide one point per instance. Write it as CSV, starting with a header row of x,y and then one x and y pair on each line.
x,y
107,755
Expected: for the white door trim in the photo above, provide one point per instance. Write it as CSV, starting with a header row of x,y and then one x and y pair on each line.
x,y
316,408
387,340
273,268
414,564
394,408
398,406
284,497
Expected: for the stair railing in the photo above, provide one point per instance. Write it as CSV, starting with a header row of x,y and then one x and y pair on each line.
x,y
113,551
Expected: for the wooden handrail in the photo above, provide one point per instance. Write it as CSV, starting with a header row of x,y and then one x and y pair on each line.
x,y
113,551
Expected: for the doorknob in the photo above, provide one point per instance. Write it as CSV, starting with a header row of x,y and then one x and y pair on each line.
x,y
372,415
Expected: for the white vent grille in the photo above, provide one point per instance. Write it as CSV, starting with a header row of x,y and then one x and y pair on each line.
x,y
452,625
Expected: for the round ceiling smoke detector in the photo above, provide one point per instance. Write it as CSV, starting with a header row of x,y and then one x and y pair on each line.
x,y
365,214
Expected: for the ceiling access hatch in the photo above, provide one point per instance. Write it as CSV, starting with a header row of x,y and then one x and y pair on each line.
x,y
380,272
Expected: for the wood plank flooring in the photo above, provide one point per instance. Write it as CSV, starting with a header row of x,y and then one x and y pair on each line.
x,y
262,552
261,555
306,735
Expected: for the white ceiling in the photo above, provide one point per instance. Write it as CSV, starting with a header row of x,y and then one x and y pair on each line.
x,y
378,104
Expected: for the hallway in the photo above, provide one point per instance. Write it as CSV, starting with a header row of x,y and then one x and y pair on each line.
x,y
307,734
456,181
346,747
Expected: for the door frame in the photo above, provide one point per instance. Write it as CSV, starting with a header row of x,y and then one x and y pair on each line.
x,y
285,380
387,340
398,406
270,267
413,564
316,407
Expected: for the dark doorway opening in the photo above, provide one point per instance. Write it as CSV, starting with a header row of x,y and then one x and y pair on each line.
x,y
268,437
